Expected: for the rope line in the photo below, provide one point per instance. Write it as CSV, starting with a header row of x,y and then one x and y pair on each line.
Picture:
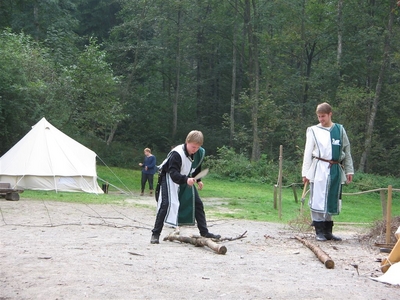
x,y
346,194
116,177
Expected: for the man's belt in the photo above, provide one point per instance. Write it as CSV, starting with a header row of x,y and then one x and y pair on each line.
x,y
331,162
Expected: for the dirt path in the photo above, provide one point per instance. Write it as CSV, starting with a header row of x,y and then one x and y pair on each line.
x,y
54,250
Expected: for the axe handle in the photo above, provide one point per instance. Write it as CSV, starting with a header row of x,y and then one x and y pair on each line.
x,y
304,190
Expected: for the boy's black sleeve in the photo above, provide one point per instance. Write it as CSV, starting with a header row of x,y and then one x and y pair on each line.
x,y
174,168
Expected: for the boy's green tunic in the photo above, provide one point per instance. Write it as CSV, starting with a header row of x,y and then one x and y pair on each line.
x,y
335,176
181,210
186,214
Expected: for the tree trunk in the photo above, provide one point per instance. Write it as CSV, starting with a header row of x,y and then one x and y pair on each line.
x,y
131,77
340,38
378,89
233,87
256,140
199,66
178,70
253,77
303,38
36,20
112,133
309,53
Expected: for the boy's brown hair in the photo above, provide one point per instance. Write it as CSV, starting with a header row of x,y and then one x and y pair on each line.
x,y
196,137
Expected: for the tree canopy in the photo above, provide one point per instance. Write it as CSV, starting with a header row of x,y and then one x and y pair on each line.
x,y
121,75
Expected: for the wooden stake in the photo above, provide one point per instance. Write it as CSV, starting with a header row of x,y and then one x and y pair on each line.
x,y
280,181
322,256
389,215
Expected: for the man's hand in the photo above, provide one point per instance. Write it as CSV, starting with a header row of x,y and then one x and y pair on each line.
x,y
349,178
200,185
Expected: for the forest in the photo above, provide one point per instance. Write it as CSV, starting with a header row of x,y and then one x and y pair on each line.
x,y
122,75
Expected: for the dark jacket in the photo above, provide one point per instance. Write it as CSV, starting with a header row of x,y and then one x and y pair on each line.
x,y
150,163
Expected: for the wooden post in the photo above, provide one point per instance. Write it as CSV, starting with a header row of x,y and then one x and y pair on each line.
x,y
275,196
280,181
294,193
389,215
383,203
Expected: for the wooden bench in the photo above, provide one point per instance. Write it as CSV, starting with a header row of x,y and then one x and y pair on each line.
x,y
8,192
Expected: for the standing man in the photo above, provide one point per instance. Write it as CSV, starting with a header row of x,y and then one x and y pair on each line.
x,y
178,202
148,170
327,165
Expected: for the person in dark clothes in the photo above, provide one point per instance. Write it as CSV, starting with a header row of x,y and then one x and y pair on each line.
x,y
148,170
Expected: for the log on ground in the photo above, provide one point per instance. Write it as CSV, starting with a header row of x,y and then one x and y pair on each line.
x,y
322,256
197,241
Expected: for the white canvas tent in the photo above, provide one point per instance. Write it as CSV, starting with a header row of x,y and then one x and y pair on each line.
x,y
47,159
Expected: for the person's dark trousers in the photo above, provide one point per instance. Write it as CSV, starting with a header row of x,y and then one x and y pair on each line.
x,y
199,214
149,178
144,179
162,212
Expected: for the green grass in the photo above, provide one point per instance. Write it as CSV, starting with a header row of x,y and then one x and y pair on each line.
x,y
254,201
233,199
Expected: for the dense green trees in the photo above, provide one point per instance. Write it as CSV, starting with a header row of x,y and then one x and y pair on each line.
x,y
249,73
82,97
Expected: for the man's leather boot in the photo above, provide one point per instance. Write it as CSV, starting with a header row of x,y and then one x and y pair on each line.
x,y
319,230
328,231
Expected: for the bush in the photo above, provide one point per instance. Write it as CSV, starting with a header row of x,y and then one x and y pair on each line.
x,y
234,166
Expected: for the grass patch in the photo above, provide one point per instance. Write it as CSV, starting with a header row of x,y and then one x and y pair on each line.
x,y
226,199
255,201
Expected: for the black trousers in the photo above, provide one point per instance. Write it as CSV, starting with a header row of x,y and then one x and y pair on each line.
x,y
149,178
199,213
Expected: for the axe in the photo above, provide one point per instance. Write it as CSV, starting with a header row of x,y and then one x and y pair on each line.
x,y
201,174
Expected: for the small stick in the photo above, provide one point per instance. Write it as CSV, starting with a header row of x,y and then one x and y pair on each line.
x,y
243,235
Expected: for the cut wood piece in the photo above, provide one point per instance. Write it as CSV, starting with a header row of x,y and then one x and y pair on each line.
x,y
393,257
322,256
197,241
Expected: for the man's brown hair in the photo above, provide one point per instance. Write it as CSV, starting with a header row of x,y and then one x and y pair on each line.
x,y
324,108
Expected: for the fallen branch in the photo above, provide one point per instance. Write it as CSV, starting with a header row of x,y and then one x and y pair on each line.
x,y
322,256
243,235
197,241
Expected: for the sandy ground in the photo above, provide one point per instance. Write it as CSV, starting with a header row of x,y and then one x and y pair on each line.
x,y
55,250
